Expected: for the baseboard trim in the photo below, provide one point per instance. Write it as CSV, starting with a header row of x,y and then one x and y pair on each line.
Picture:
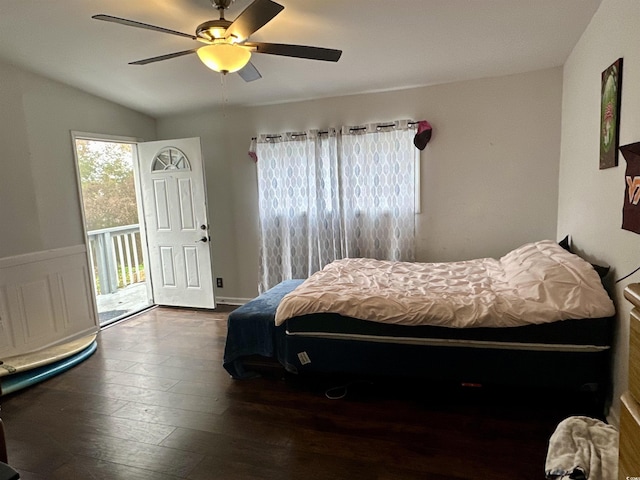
x,y
232,300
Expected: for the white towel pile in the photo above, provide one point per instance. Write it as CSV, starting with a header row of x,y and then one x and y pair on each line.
x,y
582,448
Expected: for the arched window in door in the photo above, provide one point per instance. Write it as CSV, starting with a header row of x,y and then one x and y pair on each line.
x,y
170,158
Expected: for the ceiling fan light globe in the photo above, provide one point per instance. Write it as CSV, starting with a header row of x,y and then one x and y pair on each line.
x,y
224,57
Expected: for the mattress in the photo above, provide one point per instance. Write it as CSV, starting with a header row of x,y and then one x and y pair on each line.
x,y
574,335
569,355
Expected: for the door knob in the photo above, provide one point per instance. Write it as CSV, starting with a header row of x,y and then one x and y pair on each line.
x,y
204,240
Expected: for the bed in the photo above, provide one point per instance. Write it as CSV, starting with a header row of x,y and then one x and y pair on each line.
x,y
538,316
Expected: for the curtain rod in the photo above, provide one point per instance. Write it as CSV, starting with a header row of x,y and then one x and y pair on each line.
x,y
325,132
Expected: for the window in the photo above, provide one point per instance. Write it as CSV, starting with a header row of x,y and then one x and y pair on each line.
x,y
335,194
170,158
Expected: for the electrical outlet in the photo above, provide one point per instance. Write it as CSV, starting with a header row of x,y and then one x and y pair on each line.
x,y
219,283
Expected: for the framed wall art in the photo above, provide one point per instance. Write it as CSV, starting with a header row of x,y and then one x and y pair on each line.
x,y
610,95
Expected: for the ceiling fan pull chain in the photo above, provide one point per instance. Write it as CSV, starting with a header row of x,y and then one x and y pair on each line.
x,y
224,94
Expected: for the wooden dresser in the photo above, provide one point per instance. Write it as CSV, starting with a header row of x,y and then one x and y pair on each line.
x,y
629,463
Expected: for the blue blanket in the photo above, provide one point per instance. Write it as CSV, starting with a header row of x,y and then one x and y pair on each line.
x,y
251,330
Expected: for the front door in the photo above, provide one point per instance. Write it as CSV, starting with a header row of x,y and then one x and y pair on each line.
x,y
174,202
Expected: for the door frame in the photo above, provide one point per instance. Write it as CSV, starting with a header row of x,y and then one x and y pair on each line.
x,y
133,141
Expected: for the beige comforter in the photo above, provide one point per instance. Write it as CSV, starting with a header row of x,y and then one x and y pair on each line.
x,y
536,283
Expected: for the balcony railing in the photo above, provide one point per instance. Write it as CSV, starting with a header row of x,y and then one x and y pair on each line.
x,y
116,255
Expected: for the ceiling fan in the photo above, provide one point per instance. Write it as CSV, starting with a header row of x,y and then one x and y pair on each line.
x,y
227,48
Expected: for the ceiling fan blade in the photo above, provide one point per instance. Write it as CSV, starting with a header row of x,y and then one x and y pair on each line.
x,y
254,17
300,51
133,23
163,57
249,73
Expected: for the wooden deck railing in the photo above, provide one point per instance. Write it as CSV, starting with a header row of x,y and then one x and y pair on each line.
x,y
116,257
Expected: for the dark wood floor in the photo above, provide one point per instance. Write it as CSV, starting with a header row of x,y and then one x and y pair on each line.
x,y
155,403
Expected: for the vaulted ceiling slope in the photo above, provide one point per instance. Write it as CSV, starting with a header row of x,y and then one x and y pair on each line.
x,y
387,45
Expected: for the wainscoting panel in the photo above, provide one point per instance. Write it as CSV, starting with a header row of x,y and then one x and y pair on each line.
x,y
45,299
74,289
7,339
31,307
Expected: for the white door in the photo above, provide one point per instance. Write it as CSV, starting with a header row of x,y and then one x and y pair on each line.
x,y
174,202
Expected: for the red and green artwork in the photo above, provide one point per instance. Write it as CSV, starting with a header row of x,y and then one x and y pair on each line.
x,y
610,114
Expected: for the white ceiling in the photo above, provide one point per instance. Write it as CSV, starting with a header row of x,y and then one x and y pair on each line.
x,y
386,45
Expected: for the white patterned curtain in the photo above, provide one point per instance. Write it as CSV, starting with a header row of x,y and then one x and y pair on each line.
x,y
378,191
334,194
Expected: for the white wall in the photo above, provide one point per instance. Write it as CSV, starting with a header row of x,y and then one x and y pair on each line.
x,y
489,174
45,290
38,192
590,200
